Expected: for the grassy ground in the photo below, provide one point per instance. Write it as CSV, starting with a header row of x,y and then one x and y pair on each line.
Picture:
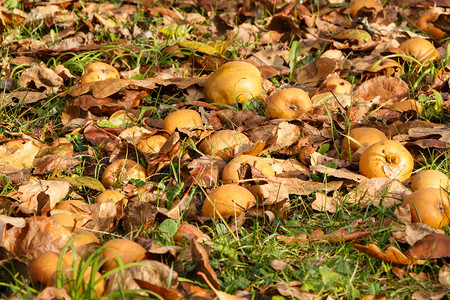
x,y
250,259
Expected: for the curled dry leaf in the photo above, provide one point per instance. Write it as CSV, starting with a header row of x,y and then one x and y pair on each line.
x,y
50,293
163,292
389,88
378,191
220,295
392,255
324,203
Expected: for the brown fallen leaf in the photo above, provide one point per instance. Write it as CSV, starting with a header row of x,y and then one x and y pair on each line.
x,y
392,255
51,293
201,256
41,77
431,246
39,235
337,236
165,293
150,271
427,295
292,289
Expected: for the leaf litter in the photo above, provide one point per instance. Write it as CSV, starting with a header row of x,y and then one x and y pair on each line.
x,y
303,152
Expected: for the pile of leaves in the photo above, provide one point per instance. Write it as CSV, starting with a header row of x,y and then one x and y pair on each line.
x,y
58,136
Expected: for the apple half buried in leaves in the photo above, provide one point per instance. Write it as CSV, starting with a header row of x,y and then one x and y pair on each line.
x,y
386,159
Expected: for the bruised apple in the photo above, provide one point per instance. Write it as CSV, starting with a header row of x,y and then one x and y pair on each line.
x,y
288,103
339,85
230,172
183,118
97,71
430,179
386,159
123,170
126,250
222,143
227,200
234,82
420,49
360,137
429,206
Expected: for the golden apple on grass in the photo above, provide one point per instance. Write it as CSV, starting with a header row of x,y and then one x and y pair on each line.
x,y
183,118
360,137
234,82
430,179
222,143
386,159
227,200
97,71
123,170
288,103
429,206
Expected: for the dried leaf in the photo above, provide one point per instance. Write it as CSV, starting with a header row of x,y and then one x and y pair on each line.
x,y
392,255
200,255
431,246
444,275
41,77
56,190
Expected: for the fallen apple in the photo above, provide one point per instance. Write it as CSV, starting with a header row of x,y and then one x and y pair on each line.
x,y
230,171
288,103
360,137
407,105
430,179
227,200
124,250
97,71
183,118
356,5
123,170
42,267
429,206
234,82
420,49
386,159
152,144
222,143
109,194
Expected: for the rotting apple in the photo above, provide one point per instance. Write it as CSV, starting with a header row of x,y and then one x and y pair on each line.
x,y
360,137
288,103
429,206
152,144
126,250
123,170
183,118
97,71
227,200
420,49
386,159
234,82
222,143
230,171
430,179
